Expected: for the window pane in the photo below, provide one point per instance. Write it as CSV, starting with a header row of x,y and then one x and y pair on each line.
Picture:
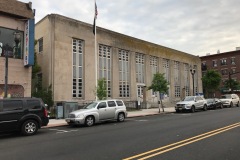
x,y
33,104
12,105
80,59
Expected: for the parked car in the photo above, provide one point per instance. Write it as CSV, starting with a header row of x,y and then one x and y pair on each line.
x,y
191,103
26,115
230,100
98,111
214,103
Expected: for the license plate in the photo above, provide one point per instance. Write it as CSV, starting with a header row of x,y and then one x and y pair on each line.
x,y
180,108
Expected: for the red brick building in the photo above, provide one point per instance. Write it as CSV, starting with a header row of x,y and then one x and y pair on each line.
x,y
225,63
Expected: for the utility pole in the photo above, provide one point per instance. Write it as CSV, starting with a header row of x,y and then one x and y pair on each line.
x,y
230,81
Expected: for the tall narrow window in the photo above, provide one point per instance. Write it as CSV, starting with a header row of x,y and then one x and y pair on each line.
x,y
40,45
140,68
124,78
233,60
77,50
186,79
166,69
177,78
154,67
105,66
195,80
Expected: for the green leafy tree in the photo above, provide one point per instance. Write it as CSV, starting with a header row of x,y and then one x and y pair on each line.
x,y
159,84
45,94
232,84
102,89
211,82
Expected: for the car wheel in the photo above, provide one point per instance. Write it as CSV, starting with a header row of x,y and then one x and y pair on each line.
x,y
192,109
89,121
29,127
121,117
231,105
205,107
238,104
177,111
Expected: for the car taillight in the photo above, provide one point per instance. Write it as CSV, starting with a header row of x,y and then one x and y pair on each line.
x,y
45,112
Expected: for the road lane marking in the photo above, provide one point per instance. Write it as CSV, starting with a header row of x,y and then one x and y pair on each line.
x,y
62,131
141,120
179,144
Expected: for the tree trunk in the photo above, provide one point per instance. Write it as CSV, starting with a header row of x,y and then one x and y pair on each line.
x,y
162,105
159,107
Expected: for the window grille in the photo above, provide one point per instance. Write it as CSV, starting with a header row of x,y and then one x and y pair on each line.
x,y
105,66
124,78
77,58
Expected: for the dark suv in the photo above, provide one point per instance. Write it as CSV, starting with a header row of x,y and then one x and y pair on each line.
x,y
26,115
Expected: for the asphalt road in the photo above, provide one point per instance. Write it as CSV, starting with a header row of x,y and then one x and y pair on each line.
x,y
208,135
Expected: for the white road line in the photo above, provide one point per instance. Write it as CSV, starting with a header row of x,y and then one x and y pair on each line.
x,y
63,131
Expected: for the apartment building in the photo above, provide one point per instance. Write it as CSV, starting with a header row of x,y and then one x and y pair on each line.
x,y
225,63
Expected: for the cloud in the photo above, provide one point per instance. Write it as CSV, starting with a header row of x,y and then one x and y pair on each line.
x,y
192,26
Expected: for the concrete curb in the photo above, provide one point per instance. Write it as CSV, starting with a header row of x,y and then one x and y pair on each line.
x,y
133,116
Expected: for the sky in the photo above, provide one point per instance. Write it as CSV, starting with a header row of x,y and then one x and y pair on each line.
x,y
196,27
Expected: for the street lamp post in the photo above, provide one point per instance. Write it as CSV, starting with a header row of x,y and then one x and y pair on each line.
x,y
17,38
6,72
192,71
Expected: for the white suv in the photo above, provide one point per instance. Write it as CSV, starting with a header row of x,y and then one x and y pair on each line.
x,y
191,103
230,100
98,111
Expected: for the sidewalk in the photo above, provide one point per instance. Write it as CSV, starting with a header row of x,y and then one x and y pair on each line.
x,y
139,113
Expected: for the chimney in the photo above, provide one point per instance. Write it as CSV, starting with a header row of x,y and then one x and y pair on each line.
x,y
30,5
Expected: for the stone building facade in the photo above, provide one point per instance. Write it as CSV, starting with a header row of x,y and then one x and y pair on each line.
x,y
66,54
14,18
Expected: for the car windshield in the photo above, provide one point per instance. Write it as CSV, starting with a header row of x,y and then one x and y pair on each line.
x,y
227,96
190,98
90,105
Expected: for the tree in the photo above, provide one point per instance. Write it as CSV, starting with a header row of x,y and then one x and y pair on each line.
x,y
102,89
232,84
45,94
159,84
211,82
